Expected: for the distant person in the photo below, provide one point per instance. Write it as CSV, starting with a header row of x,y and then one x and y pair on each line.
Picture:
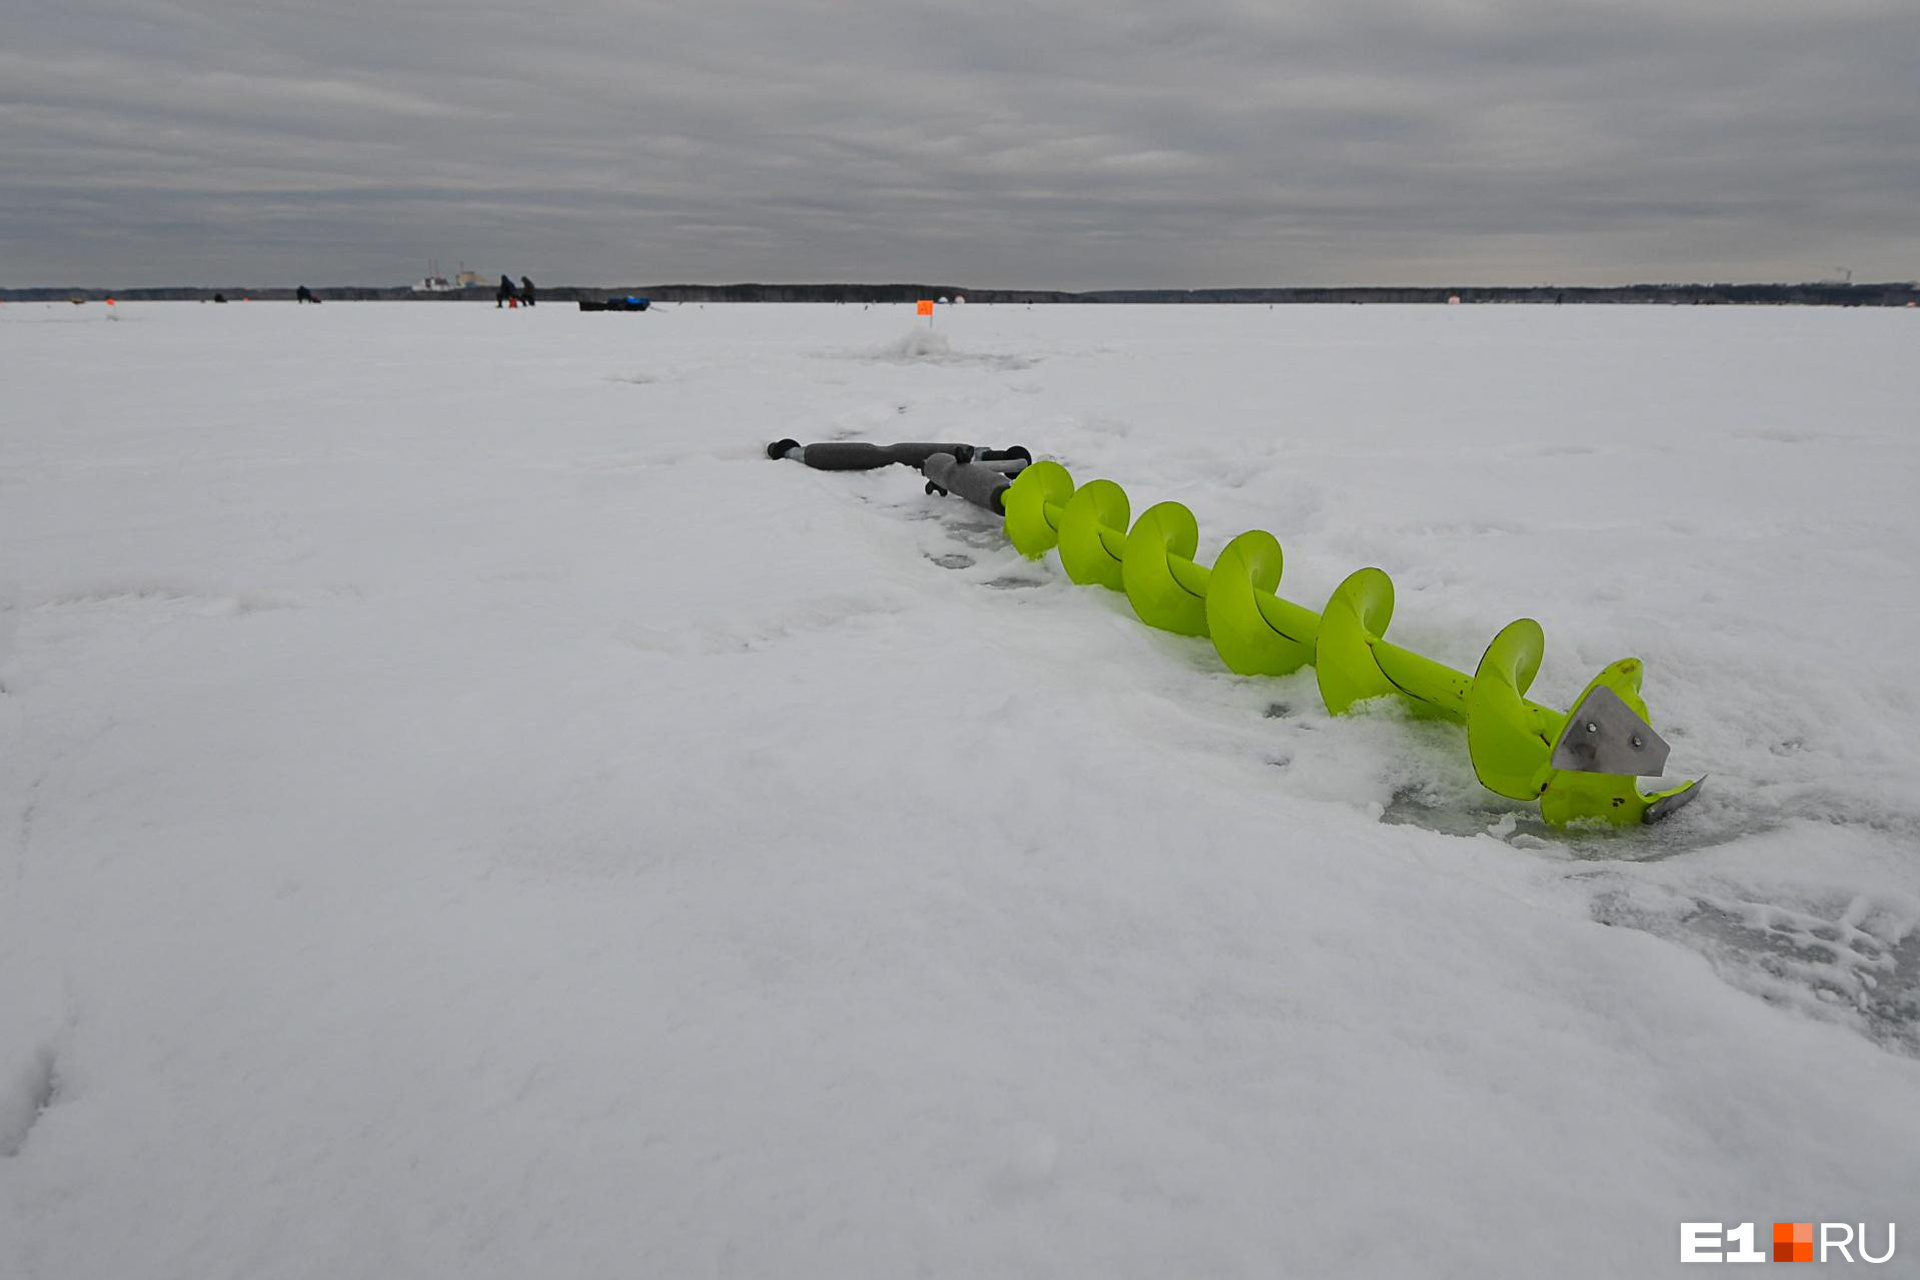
x,y
304,294
504,294
526,292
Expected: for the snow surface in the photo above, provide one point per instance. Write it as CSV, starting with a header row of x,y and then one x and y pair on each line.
x,y
465,812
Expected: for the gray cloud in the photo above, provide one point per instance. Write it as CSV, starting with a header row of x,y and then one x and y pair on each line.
x,y
1053,143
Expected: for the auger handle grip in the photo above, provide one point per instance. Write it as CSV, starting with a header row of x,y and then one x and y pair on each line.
x,y
979,484
858,455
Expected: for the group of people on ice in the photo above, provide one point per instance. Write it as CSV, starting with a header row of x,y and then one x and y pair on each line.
x,y
506,295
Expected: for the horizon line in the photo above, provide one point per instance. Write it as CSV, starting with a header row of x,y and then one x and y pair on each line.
x,y
950,288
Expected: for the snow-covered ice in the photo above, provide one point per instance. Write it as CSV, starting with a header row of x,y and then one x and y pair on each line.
x,y
465,812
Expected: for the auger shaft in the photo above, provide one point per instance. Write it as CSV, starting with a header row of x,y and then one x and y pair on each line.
x,y
1432,685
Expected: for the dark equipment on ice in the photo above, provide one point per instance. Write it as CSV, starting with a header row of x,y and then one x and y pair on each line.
x,y
616,304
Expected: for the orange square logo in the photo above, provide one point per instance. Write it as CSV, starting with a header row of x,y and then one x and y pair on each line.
x,y
1793,1242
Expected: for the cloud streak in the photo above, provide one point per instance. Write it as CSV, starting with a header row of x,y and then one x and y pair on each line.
x,y
1064,143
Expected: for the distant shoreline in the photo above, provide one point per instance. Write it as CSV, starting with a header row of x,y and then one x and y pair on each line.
x,y
1821,294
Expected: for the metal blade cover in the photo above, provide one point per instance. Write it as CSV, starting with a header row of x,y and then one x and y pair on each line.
x,y
1604,735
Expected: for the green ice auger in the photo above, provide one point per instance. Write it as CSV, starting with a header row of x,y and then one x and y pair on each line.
x,y
1581,765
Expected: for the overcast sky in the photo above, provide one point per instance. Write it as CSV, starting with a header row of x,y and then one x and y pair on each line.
x,y
1047,144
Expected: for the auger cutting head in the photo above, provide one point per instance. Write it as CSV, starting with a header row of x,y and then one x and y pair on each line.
x,y
1604,748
